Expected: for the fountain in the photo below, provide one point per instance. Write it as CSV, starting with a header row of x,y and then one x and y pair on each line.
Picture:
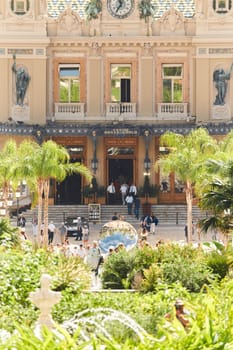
x,y
100,319
115,232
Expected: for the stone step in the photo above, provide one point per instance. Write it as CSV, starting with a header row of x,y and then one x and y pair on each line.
x,y
167,214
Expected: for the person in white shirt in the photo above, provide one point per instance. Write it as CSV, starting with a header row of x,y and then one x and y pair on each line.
x,y
111,193
51,231
129,200
123,189
81,252
133,190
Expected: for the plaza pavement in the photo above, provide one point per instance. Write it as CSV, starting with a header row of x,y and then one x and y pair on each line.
x,y
163,231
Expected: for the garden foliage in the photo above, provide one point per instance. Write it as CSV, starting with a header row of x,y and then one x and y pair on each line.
x,y
201,279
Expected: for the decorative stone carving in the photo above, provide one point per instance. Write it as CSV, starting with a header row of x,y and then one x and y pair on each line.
x,y
43,7
172,21
29,14
20,113
221,112
44,299
199,8
94,26
147,49
95,46
69,22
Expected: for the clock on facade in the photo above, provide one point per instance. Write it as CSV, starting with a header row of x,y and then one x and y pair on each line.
x,y
120,8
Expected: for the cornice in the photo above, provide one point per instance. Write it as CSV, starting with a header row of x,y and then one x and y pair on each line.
x,y
50,130
119,41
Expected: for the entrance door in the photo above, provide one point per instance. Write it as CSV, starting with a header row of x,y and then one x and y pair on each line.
x,y
120,170
69,190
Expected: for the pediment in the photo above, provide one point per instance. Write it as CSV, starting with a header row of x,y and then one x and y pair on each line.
x,y
69,22
172,21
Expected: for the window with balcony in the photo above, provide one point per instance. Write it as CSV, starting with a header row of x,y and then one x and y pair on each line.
x,y
69,83
172,76
120,83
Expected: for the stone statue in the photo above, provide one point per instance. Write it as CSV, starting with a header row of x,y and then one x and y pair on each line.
x,y
220,78
92,9
45,299
22,79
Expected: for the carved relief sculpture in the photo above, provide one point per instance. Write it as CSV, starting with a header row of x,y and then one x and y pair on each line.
x,y
69,21
172,21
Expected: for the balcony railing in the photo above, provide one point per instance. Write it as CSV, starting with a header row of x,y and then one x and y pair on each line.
x,y
176,111
121,109
69,111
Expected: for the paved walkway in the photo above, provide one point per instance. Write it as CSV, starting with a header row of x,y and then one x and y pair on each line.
x,y
163,231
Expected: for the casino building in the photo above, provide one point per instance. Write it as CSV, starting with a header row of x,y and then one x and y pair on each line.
x,y
106,78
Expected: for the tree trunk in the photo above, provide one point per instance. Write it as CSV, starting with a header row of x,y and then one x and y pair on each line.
x,y
46,212
189,202
40,210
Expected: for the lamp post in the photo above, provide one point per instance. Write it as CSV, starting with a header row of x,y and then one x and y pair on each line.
x,y
147,161
94,165
94,161
17,195
147,165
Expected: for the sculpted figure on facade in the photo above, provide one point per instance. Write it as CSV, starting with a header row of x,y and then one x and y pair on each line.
x,y
93,9
22,79
220,78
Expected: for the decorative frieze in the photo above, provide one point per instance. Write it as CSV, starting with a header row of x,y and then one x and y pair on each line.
x,y
214,51
20,52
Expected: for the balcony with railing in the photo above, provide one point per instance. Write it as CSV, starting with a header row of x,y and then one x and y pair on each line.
x,y
126,110
172,111
69,111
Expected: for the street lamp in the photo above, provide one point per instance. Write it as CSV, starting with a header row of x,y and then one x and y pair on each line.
x,y
147,165
17,195
94,165
147,161
94,161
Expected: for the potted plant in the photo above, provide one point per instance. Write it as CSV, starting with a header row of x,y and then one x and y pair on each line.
x,y
88,194
93,193
148,194
101,194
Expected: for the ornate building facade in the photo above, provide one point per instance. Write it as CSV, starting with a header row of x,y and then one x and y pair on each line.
x,y
107,78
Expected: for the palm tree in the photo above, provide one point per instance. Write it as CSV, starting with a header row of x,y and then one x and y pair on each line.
x,y
217,195
216,192
187,160
8,164
39,164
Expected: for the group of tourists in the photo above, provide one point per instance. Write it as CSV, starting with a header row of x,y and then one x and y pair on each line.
x,y
149,223
122,191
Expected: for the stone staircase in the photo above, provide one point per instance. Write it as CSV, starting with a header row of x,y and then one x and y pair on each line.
x,y
167,214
